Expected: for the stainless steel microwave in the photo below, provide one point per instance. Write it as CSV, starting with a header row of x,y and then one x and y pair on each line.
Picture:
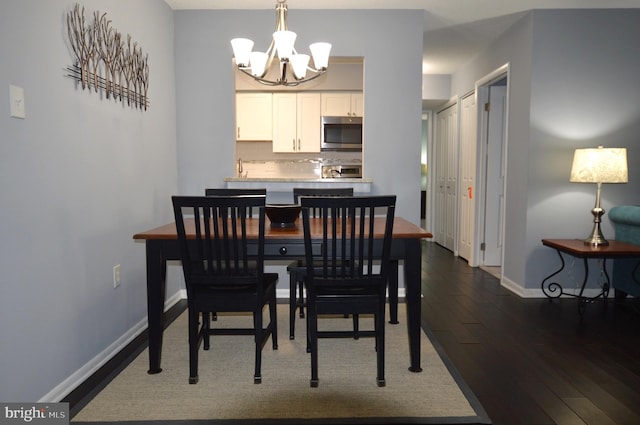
x,y
341,134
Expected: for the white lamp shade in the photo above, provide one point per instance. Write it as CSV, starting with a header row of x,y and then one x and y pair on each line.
x,y
241,50
599,165
299,64
320,53
258,62
284,43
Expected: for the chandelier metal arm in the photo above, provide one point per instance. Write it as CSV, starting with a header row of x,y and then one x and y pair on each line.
x,y
283,81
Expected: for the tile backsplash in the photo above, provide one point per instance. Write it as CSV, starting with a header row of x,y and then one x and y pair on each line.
x,y
258,160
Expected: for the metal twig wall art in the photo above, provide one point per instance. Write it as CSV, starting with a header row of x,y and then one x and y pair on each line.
x,y
106,61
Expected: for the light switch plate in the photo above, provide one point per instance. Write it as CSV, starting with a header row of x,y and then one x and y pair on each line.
x,y
16,100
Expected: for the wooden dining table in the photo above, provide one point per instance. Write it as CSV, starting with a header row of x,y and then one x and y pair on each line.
x,y
280,244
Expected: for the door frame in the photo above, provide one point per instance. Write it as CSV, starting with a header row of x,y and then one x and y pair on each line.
x,y
482,96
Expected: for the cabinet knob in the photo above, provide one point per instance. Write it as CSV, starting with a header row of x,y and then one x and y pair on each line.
x,y
283,250
238,133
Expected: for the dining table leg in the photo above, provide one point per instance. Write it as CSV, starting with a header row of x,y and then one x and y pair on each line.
x,y
412,281
156,292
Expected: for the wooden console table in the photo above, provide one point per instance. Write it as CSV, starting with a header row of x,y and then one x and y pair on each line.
x,y
577,248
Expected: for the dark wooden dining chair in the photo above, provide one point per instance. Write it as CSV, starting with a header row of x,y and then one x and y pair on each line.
x,y
347,254
298,269
234,192
223,265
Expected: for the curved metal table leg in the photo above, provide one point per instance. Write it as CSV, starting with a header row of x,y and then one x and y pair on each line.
x,y
582,301
553,287
555,290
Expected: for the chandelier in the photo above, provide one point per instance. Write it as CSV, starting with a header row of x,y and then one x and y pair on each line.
x,y
257,64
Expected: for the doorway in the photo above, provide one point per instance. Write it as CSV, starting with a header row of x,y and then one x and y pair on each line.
x,y
492,147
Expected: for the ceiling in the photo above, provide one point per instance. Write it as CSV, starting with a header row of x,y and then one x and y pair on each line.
x,y
455,30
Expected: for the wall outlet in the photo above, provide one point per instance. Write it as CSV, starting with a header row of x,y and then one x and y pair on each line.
x,y
16,100
116,275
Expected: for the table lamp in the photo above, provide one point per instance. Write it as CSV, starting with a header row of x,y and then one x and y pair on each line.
x,y
599,165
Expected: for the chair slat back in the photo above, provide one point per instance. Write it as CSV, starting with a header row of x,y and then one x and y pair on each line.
x,y
213,234
303,191
354,234
235,192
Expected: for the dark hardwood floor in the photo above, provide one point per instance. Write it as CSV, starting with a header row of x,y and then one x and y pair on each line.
x,y
528,361
534,361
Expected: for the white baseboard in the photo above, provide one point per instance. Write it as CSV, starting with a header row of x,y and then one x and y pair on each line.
x,y
538,293
78,377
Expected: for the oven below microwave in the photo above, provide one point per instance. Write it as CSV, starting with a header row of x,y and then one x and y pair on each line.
x,y
341,134
341,171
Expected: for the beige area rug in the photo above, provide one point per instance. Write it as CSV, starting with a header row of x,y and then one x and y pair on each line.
x,y
347,392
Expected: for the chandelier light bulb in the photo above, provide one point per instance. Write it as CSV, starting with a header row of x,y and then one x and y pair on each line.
x,y
299,64
284,43
320,53
241,50
258,62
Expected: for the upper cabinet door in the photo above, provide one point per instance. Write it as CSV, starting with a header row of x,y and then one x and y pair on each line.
x,y
296,122
254,120
285,137
357,105
308,117
342,104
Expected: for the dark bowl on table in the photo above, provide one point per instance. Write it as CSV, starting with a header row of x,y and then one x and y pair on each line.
x,y
283,215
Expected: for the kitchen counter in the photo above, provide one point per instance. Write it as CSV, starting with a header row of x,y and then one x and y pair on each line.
x,y
284,184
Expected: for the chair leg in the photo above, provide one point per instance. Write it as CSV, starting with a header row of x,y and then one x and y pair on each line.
x,y
393,292
379,324
292,305
301,298
257,324
312,342
273,320
356,326
206,325
193,345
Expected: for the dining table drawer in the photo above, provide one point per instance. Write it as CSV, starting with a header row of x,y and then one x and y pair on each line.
x,y
284,249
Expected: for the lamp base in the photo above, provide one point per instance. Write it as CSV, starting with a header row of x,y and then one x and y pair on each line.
x,y
596,237
596,240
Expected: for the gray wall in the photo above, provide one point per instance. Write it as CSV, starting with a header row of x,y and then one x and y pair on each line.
x,y
392,89
573,83
78,177
585,93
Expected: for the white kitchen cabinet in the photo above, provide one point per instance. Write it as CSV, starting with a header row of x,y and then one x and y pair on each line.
x,y
254,118
296,122
342,104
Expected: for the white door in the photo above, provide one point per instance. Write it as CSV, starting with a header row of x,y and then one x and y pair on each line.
x,y
440,167
468,143
494,189
446,177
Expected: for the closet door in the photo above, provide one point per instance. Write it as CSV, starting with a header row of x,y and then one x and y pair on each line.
x,y
446,177
467,193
